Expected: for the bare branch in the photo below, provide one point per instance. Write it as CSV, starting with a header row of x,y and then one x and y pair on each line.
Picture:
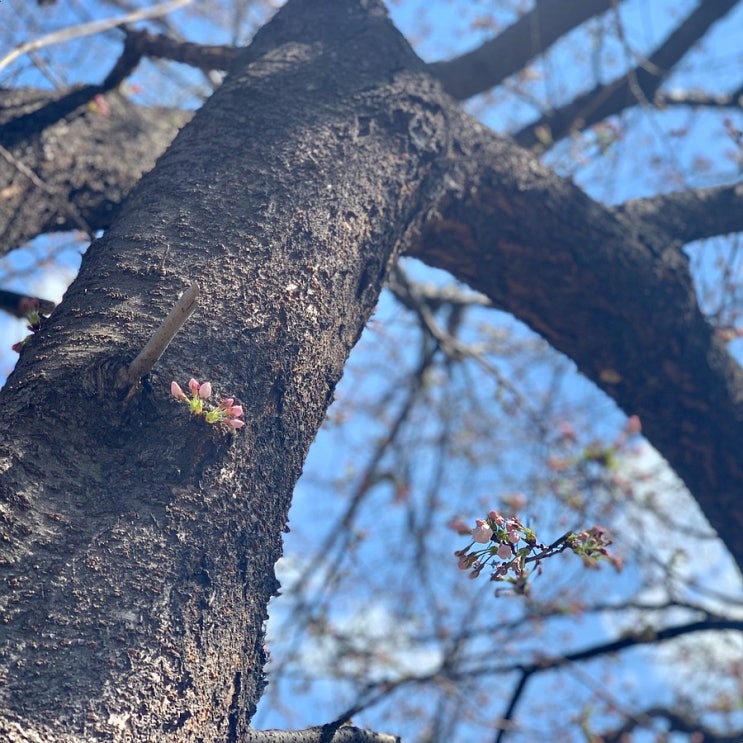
x,y
64,204
689,215
203,57
699,99
677,722
160,339
494,61
639,85
319,734
89,29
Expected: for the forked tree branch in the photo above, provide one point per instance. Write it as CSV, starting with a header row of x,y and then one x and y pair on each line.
x,y
499,58
90,29
638,86
604,649
676,722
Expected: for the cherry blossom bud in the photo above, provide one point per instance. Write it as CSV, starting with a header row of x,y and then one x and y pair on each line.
x,y
482,532
234,423
235,411
205,391
193,385
633,425
459,526
177,392
504,552
228,403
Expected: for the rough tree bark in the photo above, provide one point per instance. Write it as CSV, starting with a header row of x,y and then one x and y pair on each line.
x,y
138,546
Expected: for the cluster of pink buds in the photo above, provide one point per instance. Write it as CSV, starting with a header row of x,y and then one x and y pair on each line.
x,y
226,413
513,552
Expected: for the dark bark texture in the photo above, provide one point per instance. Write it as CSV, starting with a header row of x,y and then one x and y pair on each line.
x,y
138,544
73,173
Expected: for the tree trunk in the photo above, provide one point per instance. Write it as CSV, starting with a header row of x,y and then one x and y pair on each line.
x,y
138,543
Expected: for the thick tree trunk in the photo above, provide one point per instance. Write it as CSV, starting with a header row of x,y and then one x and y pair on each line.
x,y
138,544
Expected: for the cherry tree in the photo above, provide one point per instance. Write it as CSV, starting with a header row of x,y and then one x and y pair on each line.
x,y
139,541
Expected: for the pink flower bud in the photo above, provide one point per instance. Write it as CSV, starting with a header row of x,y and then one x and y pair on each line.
x,y
235,411
177,392
227,403
205,391
504,552
495,517
234,423
482,532
633,425
193,385
459,526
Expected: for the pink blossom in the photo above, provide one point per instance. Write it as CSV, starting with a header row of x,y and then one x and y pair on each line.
x,y
567,431
234,423
205,391
504,552
513,536
459,526
465,562
495,517
193,385
235,411
228,403
515,501
177,392
482,532
633,425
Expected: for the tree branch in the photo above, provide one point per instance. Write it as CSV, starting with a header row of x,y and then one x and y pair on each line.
x,y
677,722
204,57
70,178
344,734
699,99
639,85
494,61
689,215
90,29
588,280
627,641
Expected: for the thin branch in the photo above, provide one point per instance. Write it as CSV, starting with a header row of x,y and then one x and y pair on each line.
x,y
26,126
205,58
699,99
319,734
90,29
506,722
161,338
689,215
18,304
494,61
64,203
627,641
677,722
638,85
